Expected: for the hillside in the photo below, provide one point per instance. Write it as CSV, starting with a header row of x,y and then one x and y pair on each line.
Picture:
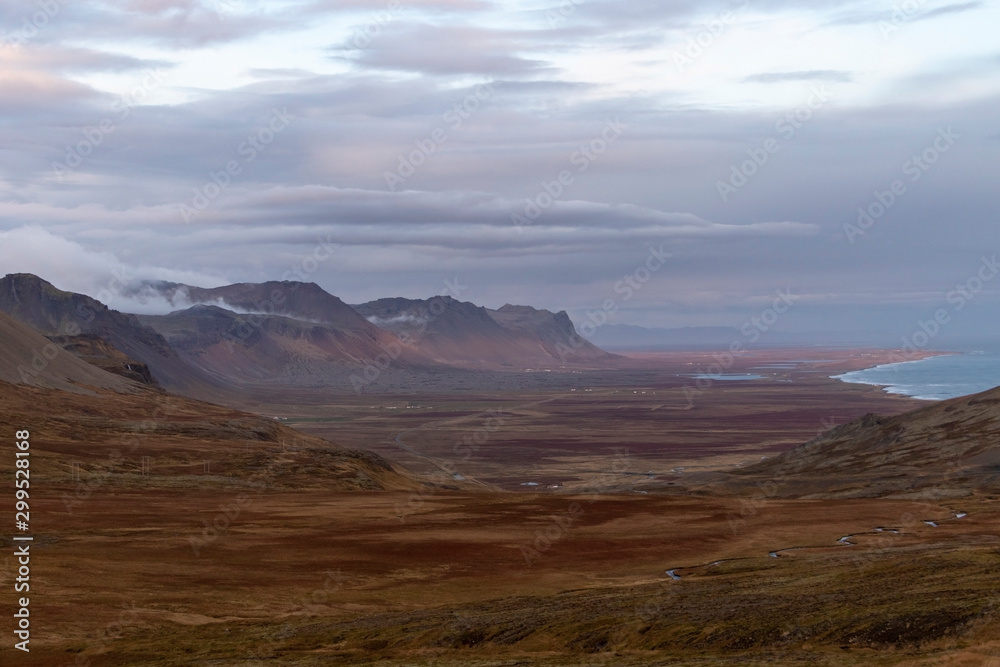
x,y
944,449
80,414
551,332
461,333
297,300
291,333
109,433
54,312
271,348
29,358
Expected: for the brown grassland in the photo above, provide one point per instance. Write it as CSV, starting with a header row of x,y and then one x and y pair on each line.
x,y
288,549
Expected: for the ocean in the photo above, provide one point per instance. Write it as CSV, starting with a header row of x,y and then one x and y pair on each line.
x,y
934,378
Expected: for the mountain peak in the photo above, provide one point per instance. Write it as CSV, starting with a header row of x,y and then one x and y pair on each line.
x,y
43,305
22,280
288,298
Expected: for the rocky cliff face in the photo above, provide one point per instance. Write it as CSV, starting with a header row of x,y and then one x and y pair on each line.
x,y
462,333
54,312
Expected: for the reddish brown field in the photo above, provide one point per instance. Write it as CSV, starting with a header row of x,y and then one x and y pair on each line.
x,y
652,417
120,581
286,552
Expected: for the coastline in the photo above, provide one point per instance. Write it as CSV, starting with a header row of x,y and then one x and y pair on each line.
x,y
912,358
892,388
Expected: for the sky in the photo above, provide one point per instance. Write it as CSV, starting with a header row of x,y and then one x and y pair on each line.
x,y
659,164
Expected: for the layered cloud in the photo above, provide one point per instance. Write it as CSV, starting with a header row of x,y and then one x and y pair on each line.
x,y
100,274
534,151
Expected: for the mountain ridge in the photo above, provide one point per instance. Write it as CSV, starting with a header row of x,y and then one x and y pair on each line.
x,y
54,312
461,332
946,448
294,333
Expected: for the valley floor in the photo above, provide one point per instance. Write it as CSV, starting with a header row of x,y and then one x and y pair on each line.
x,y
237,545
653,420
133,577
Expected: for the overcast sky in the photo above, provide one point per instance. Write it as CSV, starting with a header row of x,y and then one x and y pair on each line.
x,y
383,148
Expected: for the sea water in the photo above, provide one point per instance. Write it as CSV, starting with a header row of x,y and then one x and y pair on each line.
x,y
934,378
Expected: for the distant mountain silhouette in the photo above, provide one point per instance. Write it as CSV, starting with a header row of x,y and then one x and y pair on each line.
x,y
66,315
298,300
292,333
463,334
267,348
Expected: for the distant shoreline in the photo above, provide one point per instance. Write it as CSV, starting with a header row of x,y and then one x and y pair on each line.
x,y
923,355
888,386
861,358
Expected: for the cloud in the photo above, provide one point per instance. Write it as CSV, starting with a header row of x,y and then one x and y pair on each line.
x,y
64,59
319,188
902,13
406,318
170,23
32,82
99,274
433,49
467,220
956,8
811,75
451,6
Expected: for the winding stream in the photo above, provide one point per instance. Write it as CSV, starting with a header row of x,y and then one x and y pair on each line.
x,y
844,541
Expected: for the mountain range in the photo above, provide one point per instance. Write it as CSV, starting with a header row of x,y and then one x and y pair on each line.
x,y
74,320
510,337
292,333
52,340
101,419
